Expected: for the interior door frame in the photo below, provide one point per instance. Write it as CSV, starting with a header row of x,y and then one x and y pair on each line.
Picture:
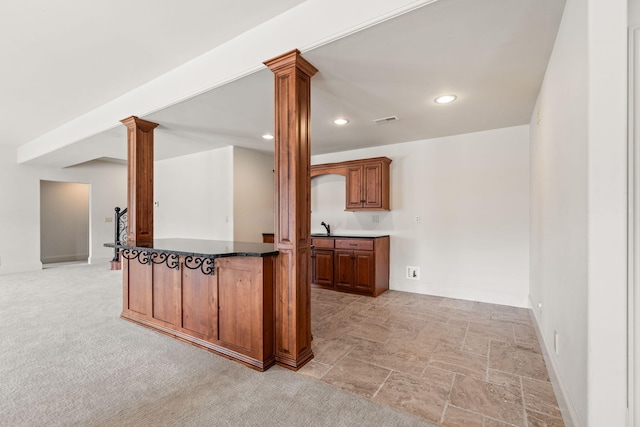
x,y
633,194
42,214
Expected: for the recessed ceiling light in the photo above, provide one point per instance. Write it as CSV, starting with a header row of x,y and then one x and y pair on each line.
x,y
341,121
267,136
445,99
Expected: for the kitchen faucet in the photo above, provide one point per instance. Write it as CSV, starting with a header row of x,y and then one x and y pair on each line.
x,y
327,227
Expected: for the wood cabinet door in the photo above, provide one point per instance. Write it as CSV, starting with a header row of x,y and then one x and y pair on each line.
x,y
344,269
363,271
322,267
354,188
199,303
166,294
372,185
237,298
138,288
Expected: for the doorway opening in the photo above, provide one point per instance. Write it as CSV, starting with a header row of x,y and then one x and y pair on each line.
x,y
64,223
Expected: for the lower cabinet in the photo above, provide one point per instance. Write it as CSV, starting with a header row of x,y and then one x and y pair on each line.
x,y
356,265
354,271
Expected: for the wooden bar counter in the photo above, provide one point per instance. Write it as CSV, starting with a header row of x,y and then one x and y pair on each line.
x,y
213,294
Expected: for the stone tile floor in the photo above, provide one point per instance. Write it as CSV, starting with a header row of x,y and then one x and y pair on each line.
x,y
451,362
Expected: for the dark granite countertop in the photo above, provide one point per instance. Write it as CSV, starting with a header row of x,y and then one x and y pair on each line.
x,y
206,248
350,236
342,236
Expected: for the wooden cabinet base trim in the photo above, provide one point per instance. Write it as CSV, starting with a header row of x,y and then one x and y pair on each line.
x,y
351,291
204,344
293,364
316,285
365,209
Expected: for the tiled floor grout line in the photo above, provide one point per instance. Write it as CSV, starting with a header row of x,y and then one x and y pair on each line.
x,y
345,355
524,408
444,410
382,384
426,365
488,359
464,340
499,421
448,400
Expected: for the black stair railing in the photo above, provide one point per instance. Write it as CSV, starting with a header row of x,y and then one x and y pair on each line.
x,y
120,236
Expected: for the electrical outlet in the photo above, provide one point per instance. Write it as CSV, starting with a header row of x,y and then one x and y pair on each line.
x,y
156,204
108,219
417,219
375,219
413,273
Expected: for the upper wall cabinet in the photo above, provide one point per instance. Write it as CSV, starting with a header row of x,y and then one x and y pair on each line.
x,y
367,182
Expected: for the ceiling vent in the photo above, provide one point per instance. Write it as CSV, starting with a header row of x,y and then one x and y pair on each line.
x,y
386,120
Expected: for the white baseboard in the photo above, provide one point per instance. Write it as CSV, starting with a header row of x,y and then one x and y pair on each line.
x,y
21,268
481,295
64,258
100,260
567,407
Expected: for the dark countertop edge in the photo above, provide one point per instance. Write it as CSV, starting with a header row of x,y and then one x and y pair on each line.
x,y
351,236
341,236
195,254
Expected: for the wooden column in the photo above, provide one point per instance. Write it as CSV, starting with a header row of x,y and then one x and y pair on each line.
x,y
140,181
292,205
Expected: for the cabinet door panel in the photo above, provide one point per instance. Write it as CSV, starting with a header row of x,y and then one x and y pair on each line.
x,y
166,294
140,287
354,187
372,185
322,267
199,303
363,275
236,312
344,269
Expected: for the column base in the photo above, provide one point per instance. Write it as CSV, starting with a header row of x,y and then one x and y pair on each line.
x,y
294,364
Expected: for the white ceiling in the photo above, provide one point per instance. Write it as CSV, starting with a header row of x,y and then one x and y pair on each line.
x,y
492,54
61,59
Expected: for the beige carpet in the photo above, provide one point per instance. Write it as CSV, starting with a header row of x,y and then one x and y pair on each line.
x,y
66,358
